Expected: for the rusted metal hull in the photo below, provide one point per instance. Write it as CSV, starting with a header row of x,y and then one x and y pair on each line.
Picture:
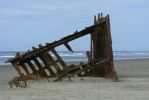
x,y
101,48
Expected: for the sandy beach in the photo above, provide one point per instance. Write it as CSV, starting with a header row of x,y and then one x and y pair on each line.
x,y
133,85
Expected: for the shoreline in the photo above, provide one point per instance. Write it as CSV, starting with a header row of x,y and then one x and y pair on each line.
x,y
77,62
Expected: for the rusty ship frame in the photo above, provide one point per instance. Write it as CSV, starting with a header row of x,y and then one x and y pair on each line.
x,y
100,57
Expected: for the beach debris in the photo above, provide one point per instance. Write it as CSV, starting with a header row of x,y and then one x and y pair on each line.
x,y
21,82
40,61
18,82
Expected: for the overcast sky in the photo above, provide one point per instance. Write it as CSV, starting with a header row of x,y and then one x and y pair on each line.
x,y
27,23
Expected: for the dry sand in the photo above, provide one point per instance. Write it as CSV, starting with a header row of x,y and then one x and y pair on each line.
x,y
133,85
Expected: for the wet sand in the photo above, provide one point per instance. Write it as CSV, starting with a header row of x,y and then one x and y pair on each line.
x,y
133,85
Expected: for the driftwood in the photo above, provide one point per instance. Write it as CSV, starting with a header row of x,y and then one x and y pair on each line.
x,y
41,62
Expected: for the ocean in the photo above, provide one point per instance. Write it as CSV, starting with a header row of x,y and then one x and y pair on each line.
x,y
81,56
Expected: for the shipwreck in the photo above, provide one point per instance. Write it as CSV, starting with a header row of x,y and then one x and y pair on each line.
x,y
42,64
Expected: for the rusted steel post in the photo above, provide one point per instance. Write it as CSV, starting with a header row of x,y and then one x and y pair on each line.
x,y
91,46
96,49
47,64
95,20
112,72
41,69
59,59
37,63
68,47
25,68
17,67
53,62
31,66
